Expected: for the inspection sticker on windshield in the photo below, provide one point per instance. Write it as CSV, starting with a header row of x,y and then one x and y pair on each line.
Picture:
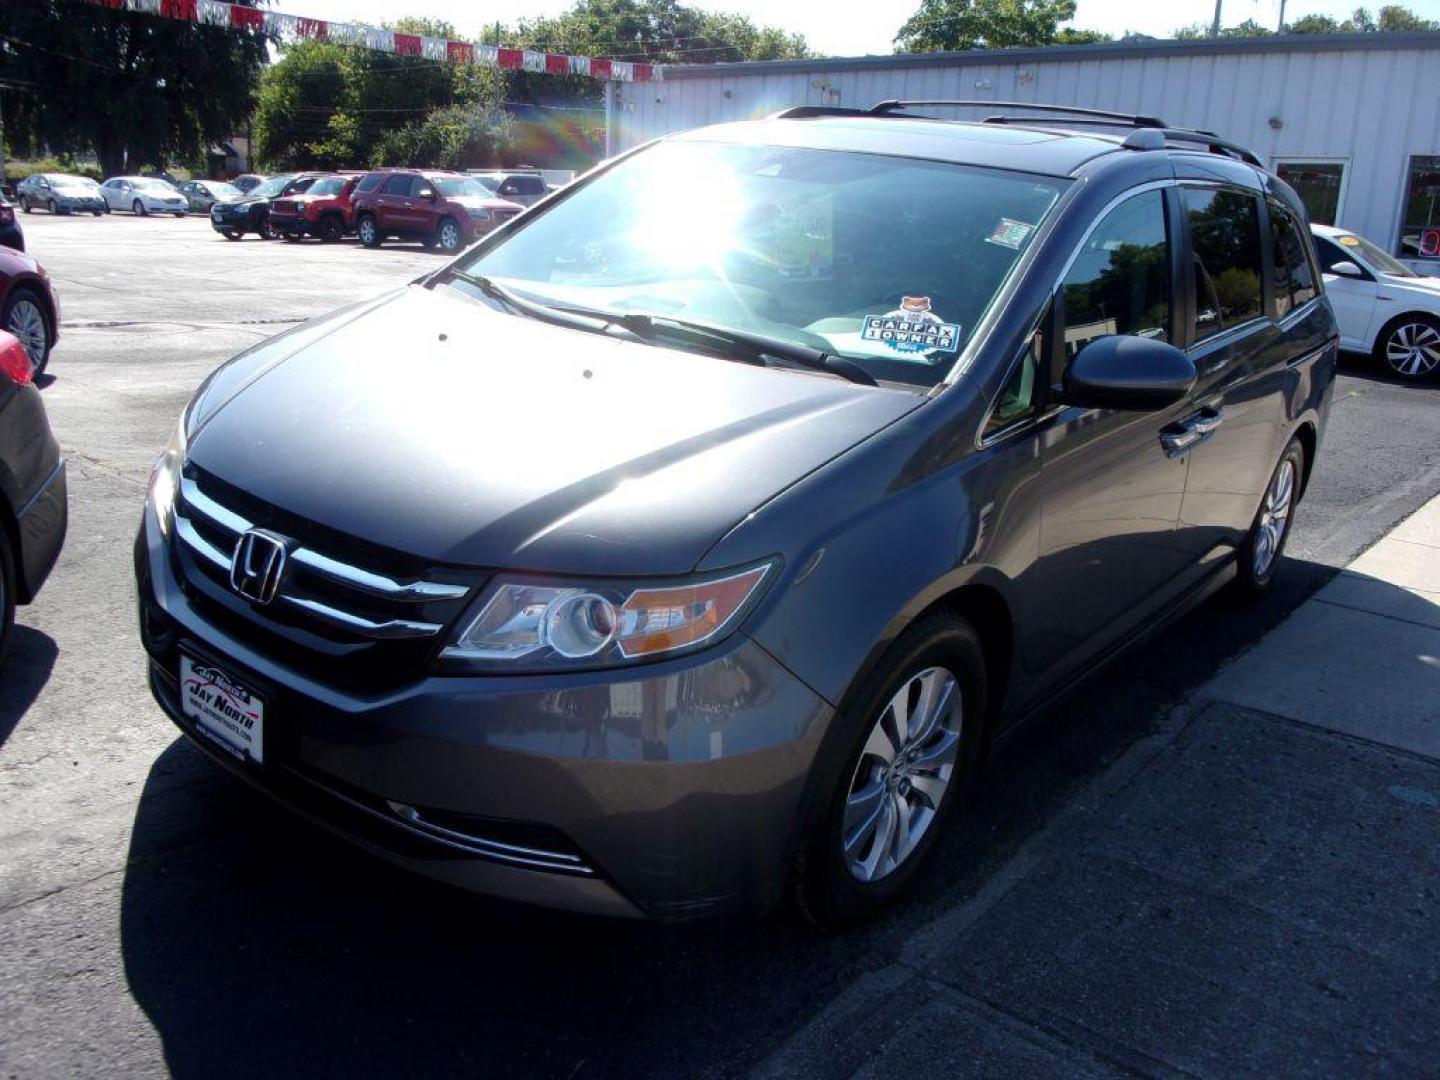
x,y
229,713
1010,233
912,328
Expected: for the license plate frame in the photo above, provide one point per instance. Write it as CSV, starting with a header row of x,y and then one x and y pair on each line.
x,y
223,708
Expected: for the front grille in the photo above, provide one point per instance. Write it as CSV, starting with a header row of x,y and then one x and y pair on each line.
x,y
349,612
283,206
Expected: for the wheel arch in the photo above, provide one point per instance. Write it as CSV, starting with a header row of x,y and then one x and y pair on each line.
x,y
1386,327
1309,437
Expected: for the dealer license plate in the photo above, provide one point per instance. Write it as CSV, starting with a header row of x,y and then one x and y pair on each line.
x,y
223,708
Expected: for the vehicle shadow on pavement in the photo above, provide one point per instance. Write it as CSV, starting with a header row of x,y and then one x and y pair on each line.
x,y
257,944
27,666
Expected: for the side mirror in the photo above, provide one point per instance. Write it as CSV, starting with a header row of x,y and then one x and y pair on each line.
x,y
428,194
1120,371
1346,268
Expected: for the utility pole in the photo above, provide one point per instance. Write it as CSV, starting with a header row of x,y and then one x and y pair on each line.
x,y
2,141
609,118
1281,28
1215,26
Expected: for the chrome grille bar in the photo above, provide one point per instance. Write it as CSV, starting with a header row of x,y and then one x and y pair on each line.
x,y
391,628
354,577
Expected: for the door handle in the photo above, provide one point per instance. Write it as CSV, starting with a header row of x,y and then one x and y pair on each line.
x,y
1189,433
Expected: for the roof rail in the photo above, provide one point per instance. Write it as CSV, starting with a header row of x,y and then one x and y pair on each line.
x,y
804,112
880,108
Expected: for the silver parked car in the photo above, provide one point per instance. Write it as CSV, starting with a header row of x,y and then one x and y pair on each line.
x,y
525,188
60,193
202,194
144,195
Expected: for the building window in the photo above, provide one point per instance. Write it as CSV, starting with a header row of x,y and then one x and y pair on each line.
x,y
1420,224
1319,184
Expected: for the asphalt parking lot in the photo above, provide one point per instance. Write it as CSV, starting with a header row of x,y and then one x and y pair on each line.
x,y
155,915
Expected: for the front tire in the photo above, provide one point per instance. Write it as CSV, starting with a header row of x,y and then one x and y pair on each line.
x,y
139,209
25,204
1410,347
332,228
368,231
231,234
1259,555
24,316
449,237
52,207
913,731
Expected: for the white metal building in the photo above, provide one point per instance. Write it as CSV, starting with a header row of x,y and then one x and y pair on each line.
x,y
1351,120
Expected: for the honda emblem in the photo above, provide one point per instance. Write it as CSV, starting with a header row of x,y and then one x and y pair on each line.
x,y
257,565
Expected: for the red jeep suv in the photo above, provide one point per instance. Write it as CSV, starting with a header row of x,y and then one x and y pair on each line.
x,y
324,210
446,209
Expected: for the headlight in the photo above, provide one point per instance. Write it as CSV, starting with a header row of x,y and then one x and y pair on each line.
x,y
533,625
165,475
479,213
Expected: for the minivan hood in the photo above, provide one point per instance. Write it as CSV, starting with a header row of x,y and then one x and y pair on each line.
x,y
437,426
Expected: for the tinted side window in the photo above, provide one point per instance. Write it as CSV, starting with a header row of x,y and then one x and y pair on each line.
x,y
1120,280
1017,400
369,182
1225,240
398,184
528,185
1294,275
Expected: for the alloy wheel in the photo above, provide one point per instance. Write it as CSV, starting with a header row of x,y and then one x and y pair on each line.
x,y
449,236
1413,350
138,208
27,323
901,778
1274,517
367,231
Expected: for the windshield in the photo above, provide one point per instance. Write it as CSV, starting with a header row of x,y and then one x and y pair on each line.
x,y
273,186
329,185
222,189
152,184
459,185
491,183
82,182
890,262
1378,258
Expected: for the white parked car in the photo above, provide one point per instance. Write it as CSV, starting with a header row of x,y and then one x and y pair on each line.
x,y
1384,308
144,195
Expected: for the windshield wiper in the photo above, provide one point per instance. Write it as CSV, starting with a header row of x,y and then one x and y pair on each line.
x,y
747,345
595,322
741,344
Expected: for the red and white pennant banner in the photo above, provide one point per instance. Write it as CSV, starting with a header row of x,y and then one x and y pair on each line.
x,y
295,28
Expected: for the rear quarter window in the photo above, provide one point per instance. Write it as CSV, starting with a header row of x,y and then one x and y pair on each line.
x,y
369,182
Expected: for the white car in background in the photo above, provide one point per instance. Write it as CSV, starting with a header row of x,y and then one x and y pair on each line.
x,y
1384,308
144,195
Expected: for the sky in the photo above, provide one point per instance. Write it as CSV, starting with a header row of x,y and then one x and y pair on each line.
x,y
868,26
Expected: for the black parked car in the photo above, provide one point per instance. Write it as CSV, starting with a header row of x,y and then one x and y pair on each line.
x,y
32,487
680,546
251,214
11,235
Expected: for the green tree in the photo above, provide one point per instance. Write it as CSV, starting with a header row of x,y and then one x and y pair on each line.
x,y
133,88
1390,19
332,106
989,24
1394,18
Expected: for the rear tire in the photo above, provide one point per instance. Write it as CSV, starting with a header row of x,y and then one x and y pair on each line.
x,y
332,228
7,593
1260,554
368,231
846,871
291,237
231,234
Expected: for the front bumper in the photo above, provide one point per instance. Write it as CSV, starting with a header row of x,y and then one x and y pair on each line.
x,y
228,221
676,785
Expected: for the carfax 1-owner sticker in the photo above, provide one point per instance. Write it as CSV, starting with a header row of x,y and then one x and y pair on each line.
x,y
223,709
912,328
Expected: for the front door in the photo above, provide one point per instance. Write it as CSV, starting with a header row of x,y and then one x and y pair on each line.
x,y
1111,491
394,207
1353,298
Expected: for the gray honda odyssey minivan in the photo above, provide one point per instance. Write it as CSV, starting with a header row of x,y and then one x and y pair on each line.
x,y
680,546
